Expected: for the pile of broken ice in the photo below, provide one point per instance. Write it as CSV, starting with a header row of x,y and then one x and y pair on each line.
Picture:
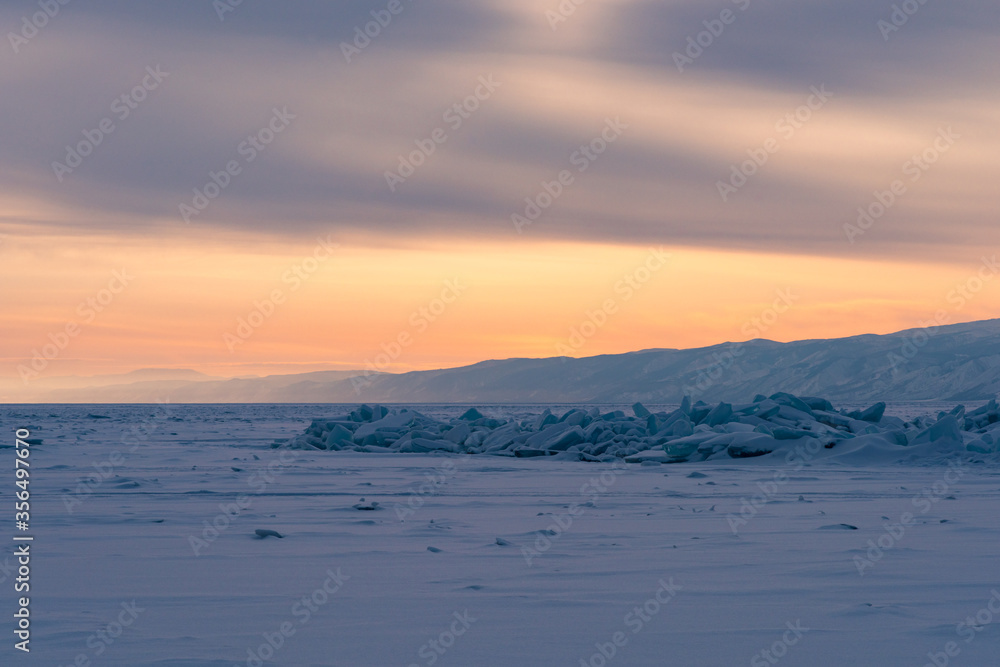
x,y
779,424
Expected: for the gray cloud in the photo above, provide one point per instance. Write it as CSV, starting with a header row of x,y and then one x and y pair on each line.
x,y
353,120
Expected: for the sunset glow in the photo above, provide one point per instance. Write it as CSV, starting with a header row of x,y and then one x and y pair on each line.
x,y
866,195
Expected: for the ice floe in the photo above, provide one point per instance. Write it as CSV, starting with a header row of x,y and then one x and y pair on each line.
x,y
781,424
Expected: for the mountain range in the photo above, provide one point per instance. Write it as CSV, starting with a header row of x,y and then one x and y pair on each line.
x,y
959,362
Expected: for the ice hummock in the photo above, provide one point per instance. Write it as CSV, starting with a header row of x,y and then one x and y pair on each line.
x,y
778,425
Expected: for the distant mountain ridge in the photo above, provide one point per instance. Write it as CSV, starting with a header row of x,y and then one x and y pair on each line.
x,y
959,362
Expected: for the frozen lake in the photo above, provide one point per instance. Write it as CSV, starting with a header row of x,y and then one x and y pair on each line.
x,y
744,563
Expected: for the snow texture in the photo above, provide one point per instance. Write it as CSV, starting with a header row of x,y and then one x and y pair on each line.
x,y
146,550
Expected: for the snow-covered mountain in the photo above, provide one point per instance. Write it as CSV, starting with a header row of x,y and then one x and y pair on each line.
x,y
958,362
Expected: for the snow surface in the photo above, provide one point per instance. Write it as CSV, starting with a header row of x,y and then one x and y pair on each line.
x,y
535,561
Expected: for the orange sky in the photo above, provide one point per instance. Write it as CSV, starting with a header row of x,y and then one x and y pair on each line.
x,y
836,116
509,299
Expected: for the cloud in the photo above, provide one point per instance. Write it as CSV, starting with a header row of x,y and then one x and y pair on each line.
x,y
611,58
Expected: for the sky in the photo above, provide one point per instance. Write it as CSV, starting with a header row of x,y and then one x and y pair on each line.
x,y
261,187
